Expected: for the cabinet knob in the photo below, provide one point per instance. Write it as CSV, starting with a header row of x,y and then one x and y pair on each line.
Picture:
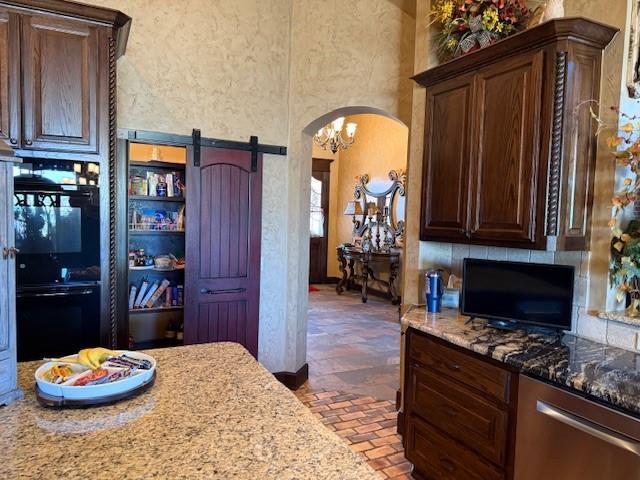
x,y
447,464
453,366
28,142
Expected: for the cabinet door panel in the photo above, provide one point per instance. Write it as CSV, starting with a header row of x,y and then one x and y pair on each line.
x,y
9,77
508,132
60,85
435,456
580,144
446,160
6,241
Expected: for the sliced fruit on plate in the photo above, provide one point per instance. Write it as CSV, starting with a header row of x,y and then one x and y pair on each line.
x,y
58,374
92,377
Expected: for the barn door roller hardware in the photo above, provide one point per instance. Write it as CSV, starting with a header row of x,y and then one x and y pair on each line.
x,y
253,146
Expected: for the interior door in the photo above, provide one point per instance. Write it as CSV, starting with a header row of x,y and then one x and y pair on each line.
x,y
505,176
222,290
60,76
319,225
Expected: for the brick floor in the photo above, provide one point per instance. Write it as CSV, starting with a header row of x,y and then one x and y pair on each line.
x,y
366,424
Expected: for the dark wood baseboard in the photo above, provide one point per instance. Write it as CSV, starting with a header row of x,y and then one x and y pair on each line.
x,y
400,425
333,280
293,380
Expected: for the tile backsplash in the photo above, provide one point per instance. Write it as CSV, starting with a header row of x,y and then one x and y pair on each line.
x,y
450,257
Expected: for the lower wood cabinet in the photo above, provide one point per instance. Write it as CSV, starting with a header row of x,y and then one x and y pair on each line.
x,y
459,412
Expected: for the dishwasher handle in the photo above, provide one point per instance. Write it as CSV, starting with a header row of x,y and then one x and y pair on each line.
x,y
591,428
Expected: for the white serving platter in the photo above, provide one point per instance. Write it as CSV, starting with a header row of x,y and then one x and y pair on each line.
x,y
66,391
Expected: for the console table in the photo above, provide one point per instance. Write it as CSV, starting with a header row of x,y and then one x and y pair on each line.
x,y
349,256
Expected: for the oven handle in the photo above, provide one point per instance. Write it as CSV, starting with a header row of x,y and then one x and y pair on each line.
x,y
69,293
591,428
66,193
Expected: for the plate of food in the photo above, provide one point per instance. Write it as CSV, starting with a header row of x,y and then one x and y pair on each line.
x,y
94,374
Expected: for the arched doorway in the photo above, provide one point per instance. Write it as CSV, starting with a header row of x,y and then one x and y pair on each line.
x,y
351,346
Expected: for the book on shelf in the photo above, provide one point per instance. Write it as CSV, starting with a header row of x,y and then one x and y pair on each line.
x,y
132,296
149,294
180,295
168,298
156,295
141,293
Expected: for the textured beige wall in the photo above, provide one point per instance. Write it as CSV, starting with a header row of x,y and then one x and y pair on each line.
x,y
236,68
414,256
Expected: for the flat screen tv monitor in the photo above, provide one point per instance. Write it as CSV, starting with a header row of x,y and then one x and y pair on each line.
x,y
515,294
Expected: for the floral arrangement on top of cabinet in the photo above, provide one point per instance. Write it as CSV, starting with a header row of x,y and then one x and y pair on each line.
x,y
469,25
509,146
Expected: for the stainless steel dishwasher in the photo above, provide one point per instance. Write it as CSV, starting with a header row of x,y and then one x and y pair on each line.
x,y
562,436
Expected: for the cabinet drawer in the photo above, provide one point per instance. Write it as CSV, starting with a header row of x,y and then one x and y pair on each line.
x,y
438,457
465,417
482,376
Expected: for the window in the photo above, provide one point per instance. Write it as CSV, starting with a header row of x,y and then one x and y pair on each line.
x,y
316,219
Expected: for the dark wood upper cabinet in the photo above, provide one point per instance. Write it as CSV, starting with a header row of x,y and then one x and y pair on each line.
x,y
57,61
9,77
447,154
509,154
507,135
61,84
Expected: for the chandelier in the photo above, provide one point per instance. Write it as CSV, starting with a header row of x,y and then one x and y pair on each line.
x,y
331,138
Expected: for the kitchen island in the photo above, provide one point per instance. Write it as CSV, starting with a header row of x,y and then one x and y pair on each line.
x,y
213,413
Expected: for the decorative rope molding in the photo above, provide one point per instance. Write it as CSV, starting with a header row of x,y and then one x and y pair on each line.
x,y
555,163
112,193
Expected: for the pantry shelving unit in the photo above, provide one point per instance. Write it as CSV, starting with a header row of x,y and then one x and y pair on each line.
x,y
148,326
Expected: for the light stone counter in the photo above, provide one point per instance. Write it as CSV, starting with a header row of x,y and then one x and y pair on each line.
x,y
213,413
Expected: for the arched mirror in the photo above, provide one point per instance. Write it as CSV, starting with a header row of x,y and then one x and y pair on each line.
x,y
379,211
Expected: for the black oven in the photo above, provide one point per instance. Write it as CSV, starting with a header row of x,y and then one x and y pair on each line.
x,y
57,319
57,234
57,222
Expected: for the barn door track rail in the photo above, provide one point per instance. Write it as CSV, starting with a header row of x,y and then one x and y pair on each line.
x,y
196,139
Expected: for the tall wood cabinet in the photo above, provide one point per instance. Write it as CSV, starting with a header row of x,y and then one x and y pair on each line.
x,y
8,381
509,148
58,101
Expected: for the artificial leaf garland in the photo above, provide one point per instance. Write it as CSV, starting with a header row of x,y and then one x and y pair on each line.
x,y
468,25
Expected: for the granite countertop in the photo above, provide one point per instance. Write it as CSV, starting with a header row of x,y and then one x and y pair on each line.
x,y
213,413
605,373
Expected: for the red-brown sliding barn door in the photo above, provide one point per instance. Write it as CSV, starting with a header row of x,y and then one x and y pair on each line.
x,y
222,288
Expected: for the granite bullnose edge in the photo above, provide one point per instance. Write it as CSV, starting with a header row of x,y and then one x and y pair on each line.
x,y
602,372
621,317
